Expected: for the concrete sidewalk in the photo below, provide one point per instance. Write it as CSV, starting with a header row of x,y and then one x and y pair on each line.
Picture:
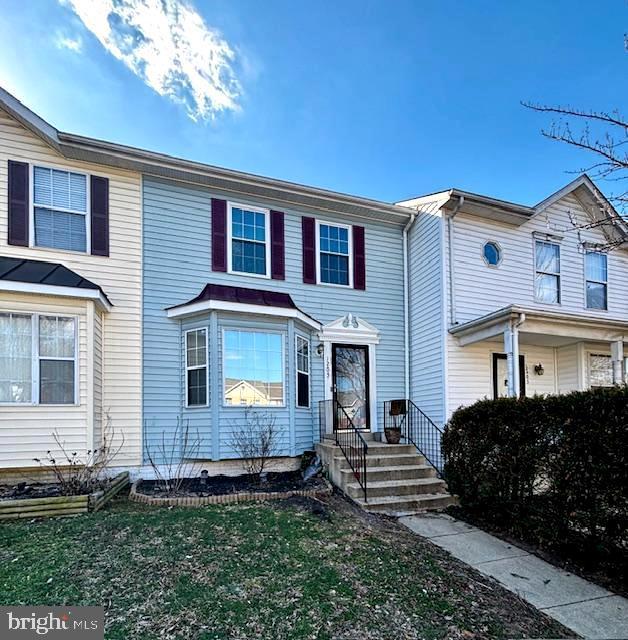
x,y
586,609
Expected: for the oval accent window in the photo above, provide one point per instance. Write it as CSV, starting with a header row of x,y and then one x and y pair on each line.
x,y
492,254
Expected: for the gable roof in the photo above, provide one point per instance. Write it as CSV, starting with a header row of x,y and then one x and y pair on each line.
x,y
75,147
504,211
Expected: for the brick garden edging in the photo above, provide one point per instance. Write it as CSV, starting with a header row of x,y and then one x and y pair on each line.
x,y
226,498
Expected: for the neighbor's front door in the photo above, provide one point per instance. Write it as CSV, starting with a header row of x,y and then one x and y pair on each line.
x,y
350,370
500,375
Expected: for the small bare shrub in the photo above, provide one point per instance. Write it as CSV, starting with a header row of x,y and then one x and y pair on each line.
x,y
174,459
255,440
76,474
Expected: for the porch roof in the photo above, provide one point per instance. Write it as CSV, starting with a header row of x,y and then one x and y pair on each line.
x,y
556,324
20,275
220,297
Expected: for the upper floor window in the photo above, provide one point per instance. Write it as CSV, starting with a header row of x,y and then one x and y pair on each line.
x,y
253,368
596,267
60,205
196,368
547,265
492,254
334,254
37,359
249,250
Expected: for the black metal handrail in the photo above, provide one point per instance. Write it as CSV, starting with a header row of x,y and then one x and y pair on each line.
x,y
417,429
347,436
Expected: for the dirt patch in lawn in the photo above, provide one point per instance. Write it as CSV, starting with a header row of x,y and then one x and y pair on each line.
x,y
226,485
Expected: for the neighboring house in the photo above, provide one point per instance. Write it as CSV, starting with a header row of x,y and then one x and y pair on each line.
x,y
507,299
158,295
70,295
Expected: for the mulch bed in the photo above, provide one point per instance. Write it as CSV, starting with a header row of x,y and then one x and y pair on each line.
x,y
278,482
26,490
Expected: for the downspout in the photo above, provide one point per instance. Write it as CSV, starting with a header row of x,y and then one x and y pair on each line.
x,y
450,241
406,306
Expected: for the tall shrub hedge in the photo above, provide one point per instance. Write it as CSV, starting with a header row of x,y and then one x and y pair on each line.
x,y
553,469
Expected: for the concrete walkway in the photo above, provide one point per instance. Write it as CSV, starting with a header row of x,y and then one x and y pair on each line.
x,y
586,609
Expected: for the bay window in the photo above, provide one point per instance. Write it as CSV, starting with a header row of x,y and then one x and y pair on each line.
x,y
37,359
253,368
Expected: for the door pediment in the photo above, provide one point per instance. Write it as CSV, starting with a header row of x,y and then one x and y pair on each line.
x,y
350,329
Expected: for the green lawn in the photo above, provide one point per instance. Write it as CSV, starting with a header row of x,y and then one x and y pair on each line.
x,y
280,570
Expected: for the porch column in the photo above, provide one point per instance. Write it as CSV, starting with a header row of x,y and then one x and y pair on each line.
x,y
511,347
617,356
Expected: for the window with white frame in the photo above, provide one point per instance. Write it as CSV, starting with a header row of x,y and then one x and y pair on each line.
x,y
303,372
600,370
596,268
334,254
196,367
37,359
547,265
60,203
253,368
249,240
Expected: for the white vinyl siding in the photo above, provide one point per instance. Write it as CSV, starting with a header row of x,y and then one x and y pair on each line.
x,y
25,432
60,204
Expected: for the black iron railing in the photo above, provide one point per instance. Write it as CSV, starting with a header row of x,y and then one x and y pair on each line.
x,y
334,420
417,429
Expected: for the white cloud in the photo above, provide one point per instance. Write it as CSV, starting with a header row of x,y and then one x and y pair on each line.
x,y
67,42
169,46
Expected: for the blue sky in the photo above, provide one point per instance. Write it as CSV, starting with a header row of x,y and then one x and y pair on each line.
x,y
385,99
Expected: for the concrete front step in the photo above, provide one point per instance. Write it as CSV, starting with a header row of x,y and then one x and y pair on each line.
x,y
400,472
384,460
404,505
394,488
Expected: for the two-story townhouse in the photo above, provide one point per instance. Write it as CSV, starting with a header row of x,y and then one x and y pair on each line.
x,y
509,300
265,293
70,297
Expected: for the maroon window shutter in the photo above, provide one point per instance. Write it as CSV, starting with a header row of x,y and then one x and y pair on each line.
x,y
308,233
99,212
219,234
277,246
359,259
18,203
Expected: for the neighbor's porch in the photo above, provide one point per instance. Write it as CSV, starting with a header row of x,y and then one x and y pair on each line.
x,y
522,352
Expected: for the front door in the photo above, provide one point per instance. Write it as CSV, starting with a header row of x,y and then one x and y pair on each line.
x,y
500,375
350,371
